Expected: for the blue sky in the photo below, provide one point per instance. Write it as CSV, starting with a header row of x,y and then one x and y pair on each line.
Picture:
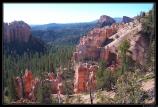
x,y
43,13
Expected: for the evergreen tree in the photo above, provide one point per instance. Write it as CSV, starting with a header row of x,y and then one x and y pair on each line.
x,y
129,89
123,50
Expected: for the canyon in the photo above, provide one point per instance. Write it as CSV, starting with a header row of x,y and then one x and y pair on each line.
x,y
102,43
99,43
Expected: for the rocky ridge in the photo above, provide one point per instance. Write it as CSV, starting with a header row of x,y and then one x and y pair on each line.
x,y
102,43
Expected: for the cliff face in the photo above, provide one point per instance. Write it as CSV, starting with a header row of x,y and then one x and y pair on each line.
x,y
82,77
57,83
17,38
105,21
90,45
139,46
16,31
102,43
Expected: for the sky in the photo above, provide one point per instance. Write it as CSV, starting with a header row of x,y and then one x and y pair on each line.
x,y
44,13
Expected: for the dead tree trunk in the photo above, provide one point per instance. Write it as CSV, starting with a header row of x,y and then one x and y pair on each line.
x,y
90,86
59,99
91,93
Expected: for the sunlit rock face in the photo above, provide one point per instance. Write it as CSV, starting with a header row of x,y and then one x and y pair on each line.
x,y
28,79
105,21
82,73
139,46
89,46
18,39
103,43
27,86
16,31
57,82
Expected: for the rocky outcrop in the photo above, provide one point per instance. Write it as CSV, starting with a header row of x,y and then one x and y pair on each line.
x,y
16,31
17,39
57,82
127,19
89,46
27,86
27,78
138,49
82,73
105,21
103,43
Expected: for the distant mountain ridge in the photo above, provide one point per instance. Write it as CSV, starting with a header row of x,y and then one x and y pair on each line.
x,y
66,33
45,26
62,33
60,26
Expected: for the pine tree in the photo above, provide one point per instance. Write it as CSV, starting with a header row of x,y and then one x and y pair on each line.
x,y
129,89
123,50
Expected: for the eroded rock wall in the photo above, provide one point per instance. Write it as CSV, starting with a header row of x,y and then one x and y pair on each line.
x,y
103,43
17,30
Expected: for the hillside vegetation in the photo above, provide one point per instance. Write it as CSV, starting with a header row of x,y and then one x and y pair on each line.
x,y
128,84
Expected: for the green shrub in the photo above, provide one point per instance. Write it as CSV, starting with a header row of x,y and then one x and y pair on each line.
x,y
105,79
123,48
128,89
103,99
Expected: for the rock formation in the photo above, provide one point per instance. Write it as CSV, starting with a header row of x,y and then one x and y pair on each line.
x,y
82,72
127,19
57,82
138,49
27,78
31,85
102,43
16,31
26,87
89,46
17,39
105,21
